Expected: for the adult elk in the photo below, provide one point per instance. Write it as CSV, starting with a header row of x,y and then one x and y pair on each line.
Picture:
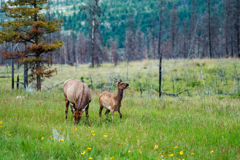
x,y
112,102
79,95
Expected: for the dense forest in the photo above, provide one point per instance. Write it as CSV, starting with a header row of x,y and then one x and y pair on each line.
x,y
129,30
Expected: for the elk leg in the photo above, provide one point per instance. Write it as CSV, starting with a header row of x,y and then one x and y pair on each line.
x,y
72,107
107,111
87,111
100,111
67,103
120,114
112,112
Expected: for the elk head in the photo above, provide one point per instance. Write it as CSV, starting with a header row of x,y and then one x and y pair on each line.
x,y
121,85
77,116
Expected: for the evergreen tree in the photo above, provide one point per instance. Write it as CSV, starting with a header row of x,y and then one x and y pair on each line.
x,y
31,27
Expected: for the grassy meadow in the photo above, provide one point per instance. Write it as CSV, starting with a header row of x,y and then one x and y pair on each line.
x,y
201,123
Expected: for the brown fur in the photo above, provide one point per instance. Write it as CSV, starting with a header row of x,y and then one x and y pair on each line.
x,y
112,102
78,94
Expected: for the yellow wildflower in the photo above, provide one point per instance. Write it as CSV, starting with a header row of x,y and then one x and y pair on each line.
x,y
42,138
89,127
92,131
1,122
75,129
212,151
181,153
129,151
156,146
176,147
89,148
192,154
93,134
61,140
82,153
105,135
9,135
138,141
53,138
140,151
112,157
171,155
0,126
90,158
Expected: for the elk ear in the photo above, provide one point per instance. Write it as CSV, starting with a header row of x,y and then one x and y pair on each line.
x,y
115,80
120,80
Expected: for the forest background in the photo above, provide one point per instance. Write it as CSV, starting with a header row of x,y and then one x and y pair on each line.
x,y
128,30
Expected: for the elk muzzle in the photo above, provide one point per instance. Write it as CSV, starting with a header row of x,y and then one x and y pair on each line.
x,y
77,116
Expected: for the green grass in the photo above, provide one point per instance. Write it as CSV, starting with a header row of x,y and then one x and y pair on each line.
x,y
196,124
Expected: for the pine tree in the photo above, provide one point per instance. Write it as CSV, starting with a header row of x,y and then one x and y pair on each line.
x,y
31,27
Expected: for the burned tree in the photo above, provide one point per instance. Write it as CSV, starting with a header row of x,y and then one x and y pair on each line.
x,y
94,12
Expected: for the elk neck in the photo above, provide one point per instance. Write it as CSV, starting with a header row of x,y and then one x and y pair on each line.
x,y
119,94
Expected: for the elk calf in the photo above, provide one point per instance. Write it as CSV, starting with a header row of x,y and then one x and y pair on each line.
x,y
112,102
79,95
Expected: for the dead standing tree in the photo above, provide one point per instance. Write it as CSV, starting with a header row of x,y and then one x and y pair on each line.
x,y
139,45
237,27
94,13
174,32
129,42
209,29
226,26
129,46
115,55
159,49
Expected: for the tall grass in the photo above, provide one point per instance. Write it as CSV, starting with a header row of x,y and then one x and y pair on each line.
x,y
196,126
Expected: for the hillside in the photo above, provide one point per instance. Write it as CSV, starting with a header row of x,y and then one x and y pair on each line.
x,y
190,28
116,15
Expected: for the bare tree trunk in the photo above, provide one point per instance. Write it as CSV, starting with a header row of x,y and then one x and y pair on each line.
x,y
38,77
12,73
91,32
68,53
25,74
173,31
159,51
73,47
12,69
232,46
226,27
237,28
148,41
209,31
